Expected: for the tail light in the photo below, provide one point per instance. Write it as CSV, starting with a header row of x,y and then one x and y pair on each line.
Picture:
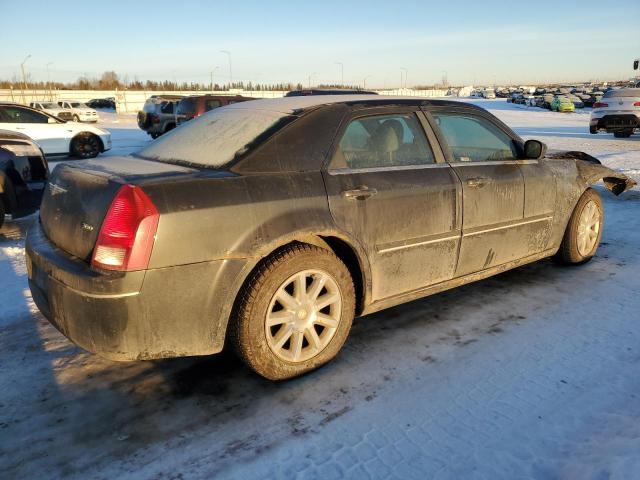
x,y
128,232
636,104
155,118
600,105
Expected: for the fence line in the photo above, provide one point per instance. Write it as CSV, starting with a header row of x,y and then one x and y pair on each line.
x,y
128,101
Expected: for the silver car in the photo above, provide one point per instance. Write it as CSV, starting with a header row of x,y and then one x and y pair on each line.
x,y
618,112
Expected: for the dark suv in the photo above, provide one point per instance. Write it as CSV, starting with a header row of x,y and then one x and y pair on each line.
x,y
158,114
192,107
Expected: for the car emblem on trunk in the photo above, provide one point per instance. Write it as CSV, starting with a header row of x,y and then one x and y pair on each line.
x,y
56,189
86,227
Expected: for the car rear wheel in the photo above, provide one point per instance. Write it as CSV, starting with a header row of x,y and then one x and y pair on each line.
x,y
295,313
85,145
76,118
593,129
623,134
584,231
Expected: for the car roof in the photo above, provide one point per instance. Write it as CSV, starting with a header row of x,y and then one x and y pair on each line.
x,y
289,105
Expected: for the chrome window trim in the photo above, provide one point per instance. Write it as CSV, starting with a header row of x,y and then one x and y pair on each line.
x,y
494,162
346,171
418,244
503,227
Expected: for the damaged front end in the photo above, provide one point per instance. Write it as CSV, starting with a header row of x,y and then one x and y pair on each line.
x,y
591,170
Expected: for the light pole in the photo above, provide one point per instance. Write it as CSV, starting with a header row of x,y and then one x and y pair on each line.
x,y
405,71
364,82
212,72
228,54
341,73
24,77
310,77
49,82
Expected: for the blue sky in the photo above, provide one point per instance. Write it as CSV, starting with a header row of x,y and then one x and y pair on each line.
x,y
472,41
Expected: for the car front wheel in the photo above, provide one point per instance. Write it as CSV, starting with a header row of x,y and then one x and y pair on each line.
x,y
295,313
85,145
584,231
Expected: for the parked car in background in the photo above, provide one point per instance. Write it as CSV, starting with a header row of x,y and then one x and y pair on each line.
x,y
23,175
194,106
269,225
79,111
489,93
618,112
52,108
158,114
54,136
329,91
561,103
102,103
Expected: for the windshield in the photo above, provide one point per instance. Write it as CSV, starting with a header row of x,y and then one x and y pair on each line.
x,y
50,105
78,105
215,138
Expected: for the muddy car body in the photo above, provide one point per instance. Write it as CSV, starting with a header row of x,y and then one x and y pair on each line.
x,y
262,221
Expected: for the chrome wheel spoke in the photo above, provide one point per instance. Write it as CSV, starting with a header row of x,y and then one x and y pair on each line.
x,y
283,335
313,338
316,287
326,320
326,300
286,300
296,345
278,318
588,228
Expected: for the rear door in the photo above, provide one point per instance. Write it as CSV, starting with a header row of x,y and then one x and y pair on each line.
x,y
390,189
485,158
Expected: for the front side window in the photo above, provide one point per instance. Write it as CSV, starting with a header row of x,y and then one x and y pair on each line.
x,y
474,139
166,107
383,141
13,114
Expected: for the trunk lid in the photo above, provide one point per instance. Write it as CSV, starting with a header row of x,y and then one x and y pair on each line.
x,y
79,195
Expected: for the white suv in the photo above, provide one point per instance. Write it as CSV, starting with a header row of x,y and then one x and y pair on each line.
x,y
79,111
617,112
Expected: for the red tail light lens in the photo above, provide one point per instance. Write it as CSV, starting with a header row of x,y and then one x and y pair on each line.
x,y
600,105
128,232
636,104
155,118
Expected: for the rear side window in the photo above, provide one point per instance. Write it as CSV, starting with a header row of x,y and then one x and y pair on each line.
x,y
13,114
211,104
474,139
383,141
166,107
187,106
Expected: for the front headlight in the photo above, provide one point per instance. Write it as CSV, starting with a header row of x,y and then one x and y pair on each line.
x,y
23,150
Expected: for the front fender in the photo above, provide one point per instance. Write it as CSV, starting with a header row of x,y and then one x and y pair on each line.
x,y
590,170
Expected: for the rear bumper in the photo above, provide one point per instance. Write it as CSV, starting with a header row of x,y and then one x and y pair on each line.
x,y
160,313
616,122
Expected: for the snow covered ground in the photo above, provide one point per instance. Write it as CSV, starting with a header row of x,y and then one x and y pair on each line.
x,y
534,374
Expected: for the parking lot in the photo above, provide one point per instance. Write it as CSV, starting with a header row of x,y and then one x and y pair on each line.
x,y
529,374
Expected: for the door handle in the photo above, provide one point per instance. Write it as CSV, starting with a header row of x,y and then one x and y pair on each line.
x,y
476,182
359,193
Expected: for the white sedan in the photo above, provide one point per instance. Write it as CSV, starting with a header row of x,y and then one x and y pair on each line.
x,y
54,136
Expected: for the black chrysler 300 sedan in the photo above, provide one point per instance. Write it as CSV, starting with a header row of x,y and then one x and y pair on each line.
x,y
270,224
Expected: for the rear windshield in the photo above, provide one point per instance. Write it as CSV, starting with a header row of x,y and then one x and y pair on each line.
x,y
623,92
215,138
187,106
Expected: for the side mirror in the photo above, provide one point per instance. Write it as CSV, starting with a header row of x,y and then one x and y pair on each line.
x,y
534,149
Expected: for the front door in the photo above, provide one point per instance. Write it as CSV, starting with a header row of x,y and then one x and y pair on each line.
x,y
391,191
485,158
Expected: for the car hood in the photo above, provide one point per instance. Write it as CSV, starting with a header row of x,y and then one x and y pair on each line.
x,y
591,170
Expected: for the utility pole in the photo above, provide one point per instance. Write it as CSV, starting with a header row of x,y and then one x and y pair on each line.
x,y
212,72
341,73
24,78
402,69
228,54
49,82
364,82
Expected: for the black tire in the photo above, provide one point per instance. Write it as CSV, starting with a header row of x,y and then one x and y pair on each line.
x,y
569,252
144,120
248,331
622,134
2,212
86,145
76,118
169,127
593,129
154,135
